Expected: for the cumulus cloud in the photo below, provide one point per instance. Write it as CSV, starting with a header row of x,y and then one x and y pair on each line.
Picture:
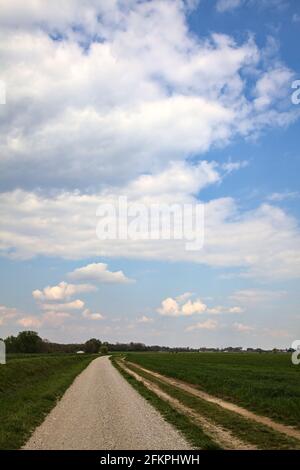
x,y
37,13
206,325
54,304
51,318
92,316
190,307
51,315
99,272
274,82
95,83
30,322
62,291
179,178
96,111
183,306
11,315
262,242
169,307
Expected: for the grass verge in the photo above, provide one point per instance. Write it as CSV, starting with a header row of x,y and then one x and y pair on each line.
x,y
29,389
193,434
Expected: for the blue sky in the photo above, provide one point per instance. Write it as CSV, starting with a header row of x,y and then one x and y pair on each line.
x,y
161,102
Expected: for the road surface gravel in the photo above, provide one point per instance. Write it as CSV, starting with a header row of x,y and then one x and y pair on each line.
x,y
101,411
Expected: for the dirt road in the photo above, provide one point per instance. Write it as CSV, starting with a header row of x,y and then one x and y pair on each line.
x,y
102,411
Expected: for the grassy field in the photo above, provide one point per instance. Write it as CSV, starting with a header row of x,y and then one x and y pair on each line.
x,y
266,383
193,434
30,385
248,431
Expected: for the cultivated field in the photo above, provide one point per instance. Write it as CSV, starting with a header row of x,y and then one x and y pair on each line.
x,y
265,383
30,385
237,401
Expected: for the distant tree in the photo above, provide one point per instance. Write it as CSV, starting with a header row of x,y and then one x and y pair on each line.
x,y
29,342
11,344
104,349
92,346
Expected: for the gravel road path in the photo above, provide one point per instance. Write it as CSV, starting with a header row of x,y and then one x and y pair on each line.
x,y
102,411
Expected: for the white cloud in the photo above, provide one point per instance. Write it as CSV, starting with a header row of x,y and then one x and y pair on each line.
x,y
256,296
235,310
99,272
189,308
62,291
52,17
7,313
176,308
225,5
179,178
56,307
263,242
145,319
115,108
169,307
184,297
54,318
278,197
274,82
221,309
231,166
243,328
183,306
51,315
92,316
229,5
30,322
125,123
206,325
12,316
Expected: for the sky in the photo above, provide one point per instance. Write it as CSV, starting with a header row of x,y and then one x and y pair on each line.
x,y
161,102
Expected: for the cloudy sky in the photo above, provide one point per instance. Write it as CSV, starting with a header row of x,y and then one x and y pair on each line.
x,y
163,102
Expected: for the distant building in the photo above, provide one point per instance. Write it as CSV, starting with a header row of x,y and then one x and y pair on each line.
x,y
80,352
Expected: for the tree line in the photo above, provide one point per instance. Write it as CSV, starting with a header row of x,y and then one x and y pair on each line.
x,y
30,342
